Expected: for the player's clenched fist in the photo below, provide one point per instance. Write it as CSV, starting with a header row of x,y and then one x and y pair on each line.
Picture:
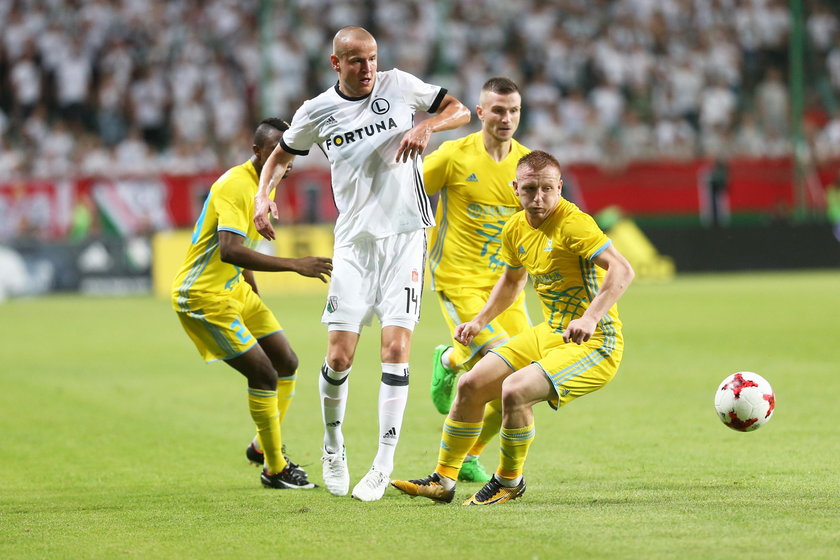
x,y
465,332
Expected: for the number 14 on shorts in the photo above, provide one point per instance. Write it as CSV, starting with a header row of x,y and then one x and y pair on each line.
x,y
412,299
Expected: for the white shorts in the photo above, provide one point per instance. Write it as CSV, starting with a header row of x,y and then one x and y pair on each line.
x,y
382,276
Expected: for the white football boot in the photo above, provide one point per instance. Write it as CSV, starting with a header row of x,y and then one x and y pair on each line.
x,y
372,486
336,475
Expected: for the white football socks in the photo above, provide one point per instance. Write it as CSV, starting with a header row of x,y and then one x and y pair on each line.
x,y
332,387
393,394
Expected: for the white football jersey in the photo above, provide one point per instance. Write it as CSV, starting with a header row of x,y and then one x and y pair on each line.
x,y
375,196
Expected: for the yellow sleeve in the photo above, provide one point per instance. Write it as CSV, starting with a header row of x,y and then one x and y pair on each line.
x,y
232,208
582,236
436,170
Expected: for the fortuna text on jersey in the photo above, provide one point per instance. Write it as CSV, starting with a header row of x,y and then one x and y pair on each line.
x,y
340,139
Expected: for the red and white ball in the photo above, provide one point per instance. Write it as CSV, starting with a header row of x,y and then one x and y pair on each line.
x,y
745,401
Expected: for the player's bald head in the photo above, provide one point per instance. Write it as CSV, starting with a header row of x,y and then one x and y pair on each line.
x,y
348,38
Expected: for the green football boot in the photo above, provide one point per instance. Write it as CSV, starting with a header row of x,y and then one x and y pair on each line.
x,y
443,382
473,471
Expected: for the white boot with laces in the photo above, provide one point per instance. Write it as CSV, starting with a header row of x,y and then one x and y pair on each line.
x,y
336,475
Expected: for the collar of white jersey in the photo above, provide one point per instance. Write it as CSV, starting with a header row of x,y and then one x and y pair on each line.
x,y
347,97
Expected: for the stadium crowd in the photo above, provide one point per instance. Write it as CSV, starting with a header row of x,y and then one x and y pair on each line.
x,y
117,87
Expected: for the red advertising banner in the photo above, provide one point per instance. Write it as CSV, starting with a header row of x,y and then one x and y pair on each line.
x,y
44,209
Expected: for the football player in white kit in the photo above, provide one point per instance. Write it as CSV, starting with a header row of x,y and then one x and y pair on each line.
x,y
365,126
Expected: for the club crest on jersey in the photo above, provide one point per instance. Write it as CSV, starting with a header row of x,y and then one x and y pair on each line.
x,y
380,106
415,276
342,138
332,304
549,246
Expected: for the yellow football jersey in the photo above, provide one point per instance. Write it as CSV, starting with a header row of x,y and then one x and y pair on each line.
x,y
476,199
558,256
229,207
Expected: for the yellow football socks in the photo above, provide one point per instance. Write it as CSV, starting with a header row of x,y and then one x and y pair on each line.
x,y
263,407
457,438
492,424
513,450
285,392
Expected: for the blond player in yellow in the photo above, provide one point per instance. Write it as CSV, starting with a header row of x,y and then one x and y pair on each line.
x,y
474,176
579,276
216,299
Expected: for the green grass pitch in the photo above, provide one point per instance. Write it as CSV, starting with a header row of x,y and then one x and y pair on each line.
x,y
117,442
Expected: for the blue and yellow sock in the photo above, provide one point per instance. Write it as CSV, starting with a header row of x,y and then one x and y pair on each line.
x,y
514,444
457,438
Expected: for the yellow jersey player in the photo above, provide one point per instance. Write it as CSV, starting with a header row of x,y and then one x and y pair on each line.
x,y
474,176
217,302
579,276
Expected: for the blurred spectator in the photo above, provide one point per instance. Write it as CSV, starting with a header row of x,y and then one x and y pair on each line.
x,y
111,109
635,137
25,81
133,156
823,28
749,139
717,106
827,145
72,73
771,101
149,100
96,159
573,111
608,103
675,138
85,218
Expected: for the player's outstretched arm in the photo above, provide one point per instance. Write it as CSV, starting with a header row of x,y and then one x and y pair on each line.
x,y
619,276
504,293
274,169
233,251
451,114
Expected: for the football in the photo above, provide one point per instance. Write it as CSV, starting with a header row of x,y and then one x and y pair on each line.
x,y
745,401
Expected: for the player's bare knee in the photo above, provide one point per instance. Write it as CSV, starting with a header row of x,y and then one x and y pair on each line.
x,y
395,351
512,394
470,388
339,361
286,365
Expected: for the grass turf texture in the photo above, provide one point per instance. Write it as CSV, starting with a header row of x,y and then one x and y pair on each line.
x,y
119,442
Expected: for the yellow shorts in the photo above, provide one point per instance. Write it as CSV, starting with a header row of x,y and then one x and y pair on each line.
x,y
573,369
462,304
225,327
